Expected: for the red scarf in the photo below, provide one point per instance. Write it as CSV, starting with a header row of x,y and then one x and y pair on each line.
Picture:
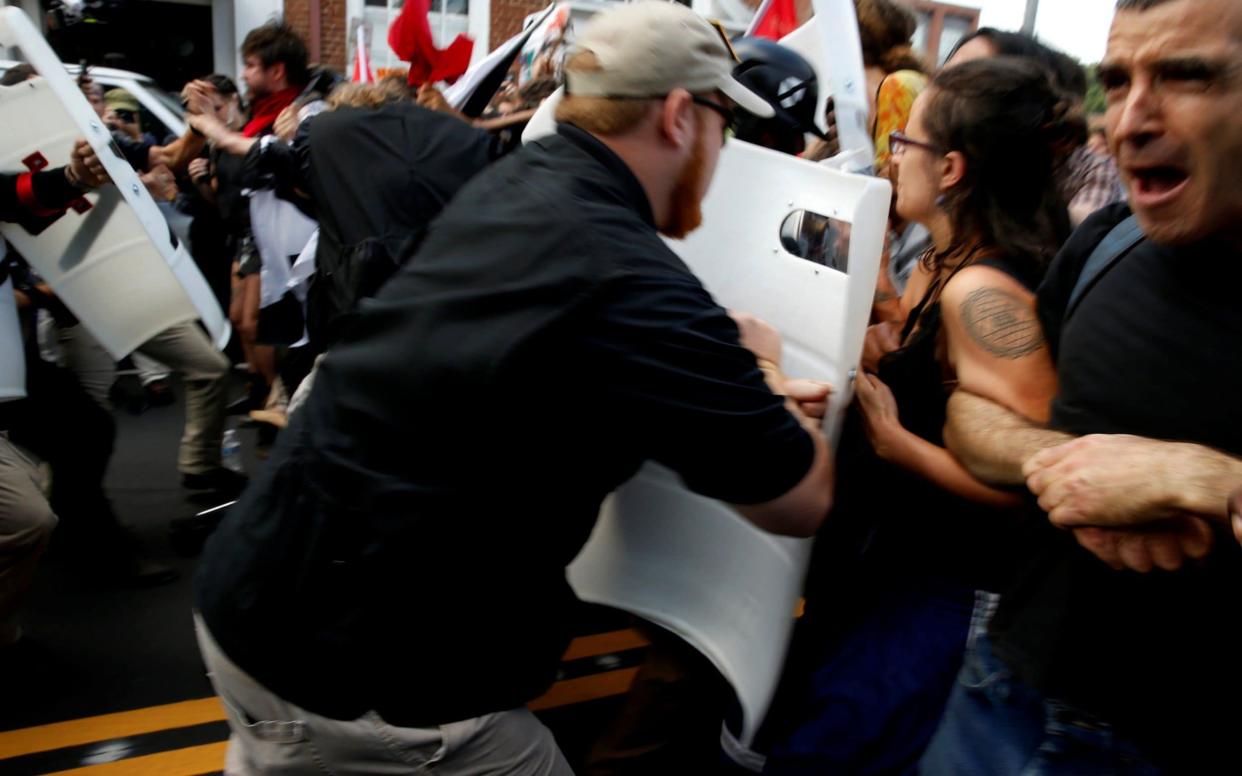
x,y
264,110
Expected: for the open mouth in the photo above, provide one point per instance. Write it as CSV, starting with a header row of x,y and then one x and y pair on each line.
x,y
1157,185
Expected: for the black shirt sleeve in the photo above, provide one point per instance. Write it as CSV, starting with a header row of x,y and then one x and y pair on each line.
x,y
50,189
136,152
688,395
280,166
1062,276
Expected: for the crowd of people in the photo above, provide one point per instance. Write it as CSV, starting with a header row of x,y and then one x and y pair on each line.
x,y
1024,557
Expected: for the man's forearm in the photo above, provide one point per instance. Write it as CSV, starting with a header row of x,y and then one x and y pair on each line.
x,y
235,143
1209,476
219,134
179,153
993,442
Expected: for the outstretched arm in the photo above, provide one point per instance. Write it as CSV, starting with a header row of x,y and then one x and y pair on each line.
x,y
992,441
1123,481
220,135
894,443
1006,379
178,154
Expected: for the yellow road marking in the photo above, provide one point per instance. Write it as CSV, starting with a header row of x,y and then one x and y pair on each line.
x,y
604,644
585,688
122,724
208,758
191,761
126,724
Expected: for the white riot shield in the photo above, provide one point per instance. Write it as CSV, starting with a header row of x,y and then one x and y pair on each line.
x,y
830,42
12,360
691,564
117,266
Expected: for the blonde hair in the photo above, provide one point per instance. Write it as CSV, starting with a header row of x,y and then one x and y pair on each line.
x,y
599,115
383,92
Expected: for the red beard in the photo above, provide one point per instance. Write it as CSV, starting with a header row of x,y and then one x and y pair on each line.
x,y
685,207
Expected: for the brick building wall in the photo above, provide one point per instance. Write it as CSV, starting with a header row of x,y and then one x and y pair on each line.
x,y
328,47
507,16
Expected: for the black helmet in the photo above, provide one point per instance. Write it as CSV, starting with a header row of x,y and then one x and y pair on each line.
x,y
787,81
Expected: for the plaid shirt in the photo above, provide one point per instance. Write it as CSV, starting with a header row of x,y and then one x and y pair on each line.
x,y
1088,182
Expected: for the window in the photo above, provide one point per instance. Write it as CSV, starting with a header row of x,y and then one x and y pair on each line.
x,y
941,27
920,33
955,28
447,19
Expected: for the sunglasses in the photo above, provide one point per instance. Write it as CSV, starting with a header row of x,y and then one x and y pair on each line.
x,y
726,113
898,142
126,116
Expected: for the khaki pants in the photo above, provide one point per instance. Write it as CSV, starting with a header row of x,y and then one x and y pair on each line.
x,y
186,350
272,736
26,523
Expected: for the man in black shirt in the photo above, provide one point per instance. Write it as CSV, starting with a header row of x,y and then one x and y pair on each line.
x,y
373,177
1114,652
398,572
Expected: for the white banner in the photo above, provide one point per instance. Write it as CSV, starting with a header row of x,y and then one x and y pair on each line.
x,y
830,42
461,91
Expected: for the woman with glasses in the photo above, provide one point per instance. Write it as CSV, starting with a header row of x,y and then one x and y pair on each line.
x,y
914,541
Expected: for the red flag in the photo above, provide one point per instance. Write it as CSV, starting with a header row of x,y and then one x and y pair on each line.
x,y
774,20
362,62
410,39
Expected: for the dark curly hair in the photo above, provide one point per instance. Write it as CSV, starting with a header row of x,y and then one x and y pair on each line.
x,y
224,85
1007,119
1067,73
278,42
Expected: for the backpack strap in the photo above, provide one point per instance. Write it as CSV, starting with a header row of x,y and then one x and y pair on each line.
x,y
1116,244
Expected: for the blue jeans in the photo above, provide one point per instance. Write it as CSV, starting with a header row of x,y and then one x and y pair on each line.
x,y
996,725
874,695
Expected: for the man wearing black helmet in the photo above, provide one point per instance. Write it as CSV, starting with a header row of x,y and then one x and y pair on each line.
x,y
787,81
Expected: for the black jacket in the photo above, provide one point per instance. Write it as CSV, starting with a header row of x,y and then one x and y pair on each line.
x,y
404,550
38,203
373,178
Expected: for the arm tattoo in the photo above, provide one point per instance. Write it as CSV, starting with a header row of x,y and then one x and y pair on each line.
x,y
1001,324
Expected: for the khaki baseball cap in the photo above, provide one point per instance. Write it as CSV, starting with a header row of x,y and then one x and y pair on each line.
x,y
119,99
649,48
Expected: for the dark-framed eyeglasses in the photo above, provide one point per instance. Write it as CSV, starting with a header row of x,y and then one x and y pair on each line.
x,y
898,142
725,112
